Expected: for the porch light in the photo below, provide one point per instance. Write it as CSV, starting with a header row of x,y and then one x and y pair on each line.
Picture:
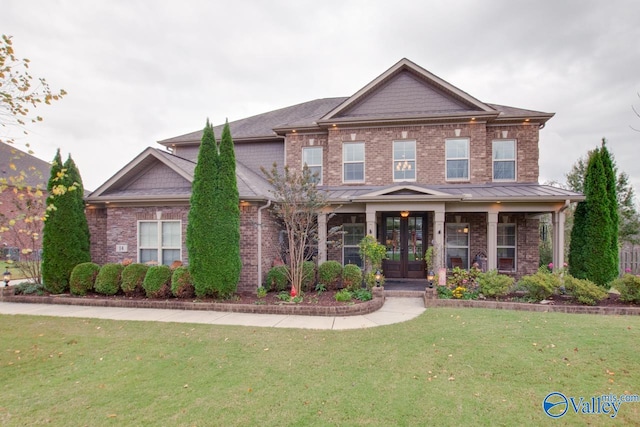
x,y
378,276
430,276
404,214
465,230
6,276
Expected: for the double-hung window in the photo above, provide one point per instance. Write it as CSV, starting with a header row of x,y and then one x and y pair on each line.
x,y
457,239
504,160
312,158
353,234
404,160
159,241
353,162
506,247
457,159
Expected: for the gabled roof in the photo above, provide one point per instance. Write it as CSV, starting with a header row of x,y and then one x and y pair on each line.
x,y
37,171
174,182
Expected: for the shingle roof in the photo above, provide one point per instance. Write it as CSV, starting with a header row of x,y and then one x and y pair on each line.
x,y
37,171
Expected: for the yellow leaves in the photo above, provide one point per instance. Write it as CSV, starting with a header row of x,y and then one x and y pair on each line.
x,y
12,166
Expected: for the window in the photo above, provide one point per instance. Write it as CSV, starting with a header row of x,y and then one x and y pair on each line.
x,y
353,234
159,241
353,162
404,160
312,157
457,245
504,160
457,153
506,247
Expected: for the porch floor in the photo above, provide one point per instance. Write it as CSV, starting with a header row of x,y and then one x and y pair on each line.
x,y
405,284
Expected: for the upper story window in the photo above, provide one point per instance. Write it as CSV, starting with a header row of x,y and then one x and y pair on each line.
x,y
404,160
353,162
457,154
504,160
159,241
312,157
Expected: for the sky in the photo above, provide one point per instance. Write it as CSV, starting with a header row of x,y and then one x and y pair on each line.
x,y
138,72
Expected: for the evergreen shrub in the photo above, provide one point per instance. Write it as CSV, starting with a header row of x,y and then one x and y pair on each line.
x,y
585,291
540,285
157,281
83,276
351,277
132,278
109,279
629,288
181,283
493,284
329,273
277,278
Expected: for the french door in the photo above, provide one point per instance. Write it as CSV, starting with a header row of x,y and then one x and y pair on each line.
x,y
404,237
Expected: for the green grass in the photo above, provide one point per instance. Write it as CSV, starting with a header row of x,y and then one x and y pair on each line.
x,y
15,272
446,367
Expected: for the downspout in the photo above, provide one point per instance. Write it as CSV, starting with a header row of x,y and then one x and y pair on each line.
x,y
260,241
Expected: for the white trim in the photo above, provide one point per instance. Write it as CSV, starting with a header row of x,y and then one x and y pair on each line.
x,y
159,244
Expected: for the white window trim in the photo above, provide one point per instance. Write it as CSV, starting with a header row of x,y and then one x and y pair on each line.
x,y
364,229
514,160
468,159
414,160
321,161
344,162
159,248
514,247
467,247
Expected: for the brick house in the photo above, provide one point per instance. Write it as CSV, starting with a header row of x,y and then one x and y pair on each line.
x,y
23,183
409,159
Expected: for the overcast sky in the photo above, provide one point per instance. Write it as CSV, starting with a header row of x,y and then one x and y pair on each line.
x,y
141,71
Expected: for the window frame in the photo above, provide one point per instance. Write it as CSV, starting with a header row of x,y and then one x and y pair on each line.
x,y
467,158
352,225
396,162
310,166
461,226
513,160
350,162
159,246
514,247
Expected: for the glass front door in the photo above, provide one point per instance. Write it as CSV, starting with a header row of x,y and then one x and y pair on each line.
x,y
404,238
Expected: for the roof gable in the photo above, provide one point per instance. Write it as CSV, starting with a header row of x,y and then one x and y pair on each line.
x,y
408,91
404,190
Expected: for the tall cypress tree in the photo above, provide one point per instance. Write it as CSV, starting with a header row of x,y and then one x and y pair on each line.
x,y
612,196
227,226
577,251
201,235
80,251
51,239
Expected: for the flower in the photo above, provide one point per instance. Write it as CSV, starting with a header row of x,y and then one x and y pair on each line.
x,y
627,270
565,265
550,266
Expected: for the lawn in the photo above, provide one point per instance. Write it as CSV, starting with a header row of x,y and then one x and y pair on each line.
x,y
446,367
15,272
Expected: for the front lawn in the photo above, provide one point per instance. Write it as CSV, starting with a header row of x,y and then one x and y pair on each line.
x,y
446,367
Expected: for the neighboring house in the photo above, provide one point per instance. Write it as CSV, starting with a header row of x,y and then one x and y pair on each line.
x,y
409,158
21,175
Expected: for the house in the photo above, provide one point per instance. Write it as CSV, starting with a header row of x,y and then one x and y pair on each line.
x,y
23,182
409,158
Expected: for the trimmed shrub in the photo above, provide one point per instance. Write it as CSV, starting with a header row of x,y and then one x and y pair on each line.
x,y
277,278
157,281
329,273
83,276
109,279
629,288
308,275
362,294
343,295
132,278
540,285
585,291
181,283
492,284
351,277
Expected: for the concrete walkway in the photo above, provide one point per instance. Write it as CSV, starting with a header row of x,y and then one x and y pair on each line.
x,y
394,310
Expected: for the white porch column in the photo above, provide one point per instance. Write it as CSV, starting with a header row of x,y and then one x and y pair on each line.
x,y
322,237
558,238
438,237
492,240
371,222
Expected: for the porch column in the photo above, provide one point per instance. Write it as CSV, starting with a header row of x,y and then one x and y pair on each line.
x,y
371,222
558,238
492,240
438,237
322,237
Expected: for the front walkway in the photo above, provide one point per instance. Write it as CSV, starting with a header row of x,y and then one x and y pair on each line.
x,y
394,310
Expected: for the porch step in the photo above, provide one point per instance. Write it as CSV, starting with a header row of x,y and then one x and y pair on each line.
x,y
403,294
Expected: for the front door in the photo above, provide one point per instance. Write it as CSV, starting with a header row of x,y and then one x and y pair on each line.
x,y
404,237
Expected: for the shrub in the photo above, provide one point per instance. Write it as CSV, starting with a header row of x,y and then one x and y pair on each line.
x,y
108,279
540,285
343,295
444,292
351,277
28,288
83,276
132,278
585,291
157,281
278,278
629,288
261,292
461,278
181,283
492,284
308,275
362,294
329,273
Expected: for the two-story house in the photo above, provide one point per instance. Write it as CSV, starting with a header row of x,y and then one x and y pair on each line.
x,y
409,159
